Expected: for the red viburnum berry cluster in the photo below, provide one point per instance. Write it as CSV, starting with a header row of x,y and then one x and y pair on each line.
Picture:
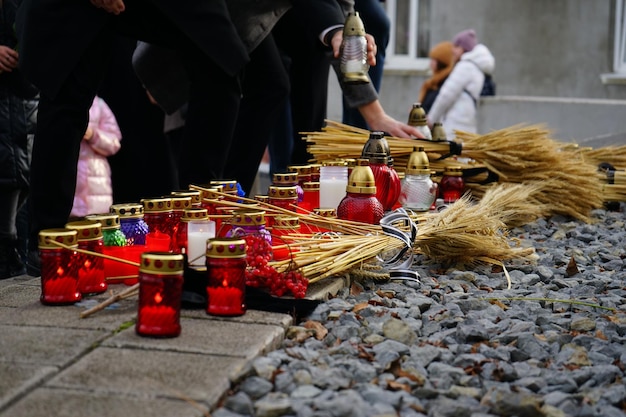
x,y
260,274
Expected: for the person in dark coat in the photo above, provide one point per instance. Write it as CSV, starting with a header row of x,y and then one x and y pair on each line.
x,y
64,49
17,107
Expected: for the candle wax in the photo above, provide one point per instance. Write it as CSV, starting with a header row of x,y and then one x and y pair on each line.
x,y
332,191
225,301
196,243
158,321
60,290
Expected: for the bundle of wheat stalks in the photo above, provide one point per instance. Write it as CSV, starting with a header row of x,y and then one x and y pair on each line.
x,y
466,232
518,154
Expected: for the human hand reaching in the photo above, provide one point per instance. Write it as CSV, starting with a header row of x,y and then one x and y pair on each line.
x,y
8,59
112,6
378,120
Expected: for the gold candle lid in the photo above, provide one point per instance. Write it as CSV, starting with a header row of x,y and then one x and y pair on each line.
x,y
335,163
128,210
86,229
108,220
417,116
361,180
157,205
163,263
286,222
315,168
282,193
438,133
209,192
453,171
180,203
300,169
224,247
418,163
191,214
194,194
285,179
311,186
262,198
68,237
228,186
325,211
248,217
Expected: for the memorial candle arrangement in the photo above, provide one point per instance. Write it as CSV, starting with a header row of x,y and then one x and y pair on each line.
x,y
226,269
59,267
160,290
91,278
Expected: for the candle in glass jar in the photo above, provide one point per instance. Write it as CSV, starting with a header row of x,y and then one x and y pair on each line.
x,y
333,182
160,292
198,232
226,284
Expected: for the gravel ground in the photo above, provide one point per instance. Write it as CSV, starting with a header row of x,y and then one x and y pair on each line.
x,y
459,343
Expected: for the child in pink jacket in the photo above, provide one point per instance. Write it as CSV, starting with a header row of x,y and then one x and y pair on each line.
x,y
94,193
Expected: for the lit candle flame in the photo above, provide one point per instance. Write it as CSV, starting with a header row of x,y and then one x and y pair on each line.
x,y
225,283
158,298
60,271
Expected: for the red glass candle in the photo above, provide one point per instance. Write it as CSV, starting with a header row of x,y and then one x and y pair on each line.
x,y
59,267
311,198
283,226
284,197
226,268
211,199
360,203
289,179
91,278
452,185
160,290
303,172
388,185
315,172
158,214
179,205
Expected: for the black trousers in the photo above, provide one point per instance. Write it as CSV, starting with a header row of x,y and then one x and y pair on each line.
x,y
308,72
62,120
265,90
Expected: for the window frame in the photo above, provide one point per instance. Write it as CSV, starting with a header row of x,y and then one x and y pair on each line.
x,y
618,76
405,61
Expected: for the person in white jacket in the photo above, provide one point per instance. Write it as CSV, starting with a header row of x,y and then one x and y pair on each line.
x,y
94,193
456,104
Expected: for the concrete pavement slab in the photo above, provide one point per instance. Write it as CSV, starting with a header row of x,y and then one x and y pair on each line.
x,y
47,402
18,379
146,373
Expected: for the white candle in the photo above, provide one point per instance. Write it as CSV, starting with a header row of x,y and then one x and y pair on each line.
x,y
332,191
198,232
333,182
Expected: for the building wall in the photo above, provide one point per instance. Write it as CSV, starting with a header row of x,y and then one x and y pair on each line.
x,y
550,55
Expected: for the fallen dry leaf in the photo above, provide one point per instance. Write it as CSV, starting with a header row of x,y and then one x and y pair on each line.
x,y
318,328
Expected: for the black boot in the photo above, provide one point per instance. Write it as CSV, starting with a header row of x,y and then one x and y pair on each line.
x,y
11,264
